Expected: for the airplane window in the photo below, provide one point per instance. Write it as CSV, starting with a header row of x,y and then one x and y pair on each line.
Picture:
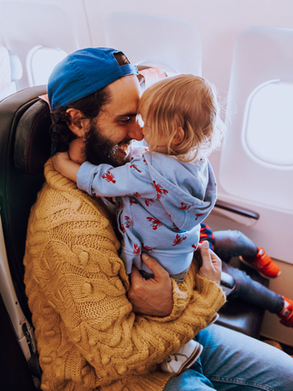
x,y
40,63
256,161
268,130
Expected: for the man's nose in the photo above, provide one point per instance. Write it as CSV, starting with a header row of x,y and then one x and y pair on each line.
x,y
135,131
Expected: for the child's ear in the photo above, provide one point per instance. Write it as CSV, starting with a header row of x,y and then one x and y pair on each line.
x,y
78,124
178,138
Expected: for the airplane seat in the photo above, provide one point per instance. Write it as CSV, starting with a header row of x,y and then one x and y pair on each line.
x,y
50,27
10,352
24,149
154,40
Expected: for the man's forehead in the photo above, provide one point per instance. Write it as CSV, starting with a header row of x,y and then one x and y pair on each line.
x,y
124,97
125,85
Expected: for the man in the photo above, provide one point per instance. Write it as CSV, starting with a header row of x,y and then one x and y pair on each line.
x,y
86,314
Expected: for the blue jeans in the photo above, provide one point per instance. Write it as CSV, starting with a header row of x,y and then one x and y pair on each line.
x,y
229,244
232,361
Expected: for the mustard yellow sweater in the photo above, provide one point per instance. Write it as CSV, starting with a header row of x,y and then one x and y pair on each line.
x,y
88,337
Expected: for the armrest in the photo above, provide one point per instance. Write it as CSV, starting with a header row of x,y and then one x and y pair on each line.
x,y
236,213
227,283
236,209
227,280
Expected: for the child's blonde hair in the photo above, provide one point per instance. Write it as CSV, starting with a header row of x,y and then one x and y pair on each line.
x,y
188,102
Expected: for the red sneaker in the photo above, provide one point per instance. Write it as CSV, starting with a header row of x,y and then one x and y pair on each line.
x,y
263,264
287,314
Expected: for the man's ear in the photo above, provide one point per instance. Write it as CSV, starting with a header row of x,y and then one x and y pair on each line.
x,y
78,124
178,138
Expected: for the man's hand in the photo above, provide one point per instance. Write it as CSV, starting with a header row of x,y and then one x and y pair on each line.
x,y
153,296
211,264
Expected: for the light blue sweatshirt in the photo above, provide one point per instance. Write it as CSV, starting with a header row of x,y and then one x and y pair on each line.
x,y
160,204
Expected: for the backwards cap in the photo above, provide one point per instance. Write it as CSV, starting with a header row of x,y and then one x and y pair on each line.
x,y
84,72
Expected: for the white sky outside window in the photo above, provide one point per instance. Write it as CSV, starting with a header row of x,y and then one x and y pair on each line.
x,y
268,131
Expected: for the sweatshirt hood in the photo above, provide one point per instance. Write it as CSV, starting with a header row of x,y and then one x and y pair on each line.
x,y
189,187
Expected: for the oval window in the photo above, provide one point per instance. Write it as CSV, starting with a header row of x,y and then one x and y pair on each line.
x,y
268,131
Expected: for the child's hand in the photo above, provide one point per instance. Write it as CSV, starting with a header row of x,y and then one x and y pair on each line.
x,y
58,159
62,163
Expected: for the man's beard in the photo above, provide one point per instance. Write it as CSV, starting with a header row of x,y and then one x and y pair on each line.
x,y
98,149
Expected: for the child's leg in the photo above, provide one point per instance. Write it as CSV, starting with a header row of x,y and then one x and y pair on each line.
x,y
232,243
252,291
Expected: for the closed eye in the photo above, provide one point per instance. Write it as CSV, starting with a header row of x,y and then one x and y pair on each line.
x,y
126,119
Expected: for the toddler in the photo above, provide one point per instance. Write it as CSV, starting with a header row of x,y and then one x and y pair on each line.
x,y
162,196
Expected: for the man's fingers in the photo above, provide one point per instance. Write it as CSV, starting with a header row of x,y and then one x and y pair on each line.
x,y
158,271
211,264
152,296
205,246
215,259
135,277
205,254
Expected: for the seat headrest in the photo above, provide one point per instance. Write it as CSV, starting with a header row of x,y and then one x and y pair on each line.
x,y
32,146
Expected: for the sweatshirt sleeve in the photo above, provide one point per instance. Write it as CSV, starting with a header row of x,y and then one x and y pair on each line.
x,y
105,180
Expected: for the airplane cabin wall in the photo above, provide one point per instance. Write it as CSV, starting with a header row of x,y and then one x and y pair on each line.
x,y
219,23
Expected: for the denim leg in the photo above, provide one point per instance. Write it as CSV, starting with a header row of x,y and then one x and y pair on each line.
x,y
234,243
190,380
234,361
252,291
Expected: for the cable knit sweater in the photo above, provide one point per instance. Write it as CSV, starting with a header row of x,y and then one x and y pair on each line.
x,y
88,337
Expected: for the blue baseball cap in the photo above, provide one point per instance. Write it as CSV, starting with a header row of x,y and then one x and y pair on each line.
x,y
84,72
